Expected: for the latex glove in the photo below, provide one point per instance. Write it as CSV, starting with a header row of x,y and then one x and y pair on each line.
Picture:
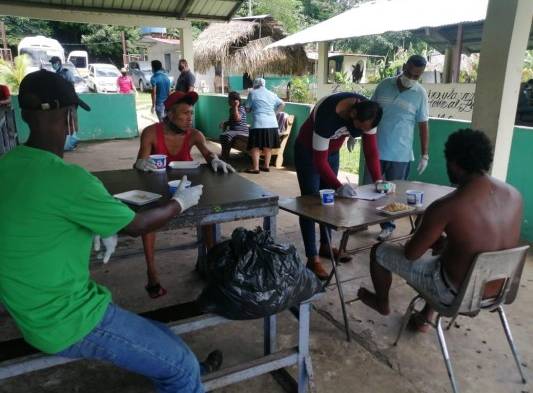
x,y
187,197
423,163
110,245
217,163
350,144
145,164
346,191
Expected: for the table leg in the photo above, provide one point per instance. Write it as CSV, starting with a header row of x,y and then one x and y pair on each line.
x,y
270,334
339,286
305,368
202,252
269,225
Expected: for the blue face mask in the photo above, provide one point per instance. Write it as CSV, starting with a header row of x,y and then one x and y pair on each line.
x,y
56,66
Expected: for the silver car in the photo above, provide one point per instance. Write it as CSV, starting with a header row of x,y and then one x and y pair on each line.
x,y
141,72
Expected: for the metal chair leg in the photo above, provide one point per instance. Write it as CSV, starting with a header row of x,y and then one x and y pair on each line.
x,y
405,318
445,354
507,330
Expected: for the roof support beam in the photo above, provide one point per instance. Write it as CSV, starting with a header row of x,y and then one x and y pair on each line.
x,y
505,37
88,15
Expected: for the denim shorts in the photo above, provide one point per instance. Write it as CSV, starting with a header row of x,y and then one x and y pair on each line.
x,y
424,274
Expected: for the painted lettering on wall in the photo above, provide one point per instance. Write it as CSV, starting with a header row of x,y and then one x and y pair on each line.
x,y
451,101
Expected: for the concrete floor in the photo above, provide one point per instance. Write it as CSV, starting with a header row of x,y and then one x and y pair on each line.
x,y
483,362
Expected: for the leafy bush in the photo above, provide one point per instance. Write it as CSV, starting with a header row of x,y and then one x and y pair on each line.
x,y
11,74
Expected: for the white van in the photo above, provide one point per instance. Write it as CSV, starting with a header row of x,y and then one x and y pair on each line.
x,y
80,59
40,49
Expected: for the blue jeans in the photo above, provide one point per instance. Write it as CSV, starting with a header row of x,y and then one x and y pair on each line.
x,y
310,183
142,346
160,111
390,170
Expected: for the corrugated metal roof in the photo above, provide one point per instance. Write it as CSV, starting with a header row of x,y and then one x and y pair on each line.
x,y
181,9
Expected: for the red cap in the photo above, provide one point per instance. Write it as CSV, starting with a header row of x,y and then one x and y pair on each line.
x,y
178,96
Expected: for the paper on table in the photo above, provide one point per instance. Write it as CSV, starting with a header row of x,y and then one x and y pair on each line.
x,y
368,193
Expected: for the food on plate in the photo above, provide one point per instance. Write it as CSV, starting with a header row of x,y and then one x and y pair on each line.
x,y
142,196
396,207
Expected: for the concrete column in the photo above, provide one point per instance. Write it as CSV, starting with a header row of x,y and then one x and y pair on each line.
x,y
447,67
322,68
505,35
186,48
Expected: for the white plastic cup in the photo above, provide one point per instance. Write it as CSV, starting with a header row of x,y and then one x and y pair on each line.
x,y
327,197
415,197
160,161
174,184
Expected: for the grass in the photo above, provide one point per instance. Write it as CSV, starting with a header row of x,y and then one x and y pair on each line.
x,y
349,162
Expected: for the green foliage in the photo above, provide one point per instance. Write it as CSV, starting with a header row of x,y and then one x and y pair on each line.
x,y
18,28
301,91
527,72
288,12
12,74
104,42
349,162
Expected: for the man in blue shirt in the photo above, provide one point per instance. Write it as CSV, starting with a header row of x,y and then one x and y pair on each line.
x,y
63,72
160,89
405,104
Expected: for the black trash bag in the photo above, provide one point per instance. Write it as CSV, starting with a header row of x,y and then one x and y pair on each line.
x,y
250,276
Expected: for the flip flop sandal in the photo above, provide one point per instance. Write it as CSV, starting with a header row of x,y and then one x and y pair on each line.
x,y
155,290
264,169
418,323
252,171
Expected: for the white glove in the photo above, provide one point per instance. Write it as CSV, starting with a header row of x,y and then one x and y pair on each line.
x,y
346,191
187,197
350,144
423,163
217,163
145,164
110,245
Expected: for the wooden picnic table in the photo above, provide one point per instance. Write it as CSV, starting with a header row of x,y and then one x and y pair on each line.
x,y
226,197
353,215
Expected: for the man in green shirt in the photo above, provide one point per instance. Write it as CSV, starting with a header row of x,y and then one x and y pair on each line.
x,y
50,210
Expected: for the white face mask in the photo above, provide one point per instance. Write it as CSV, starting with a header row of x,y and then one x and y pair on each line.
x,y
406,82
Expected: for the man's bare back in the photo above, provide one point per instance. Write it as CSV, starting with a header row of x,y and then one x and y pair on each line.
x,y
483,215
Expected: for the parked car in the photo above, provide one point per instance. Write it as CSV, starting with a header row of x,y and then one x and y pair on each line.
x,y
80,59
141,72
103,78
80,85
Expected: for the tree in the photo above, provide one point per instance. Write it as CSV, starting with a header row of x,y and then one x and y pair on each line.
x,y
104,42
288,12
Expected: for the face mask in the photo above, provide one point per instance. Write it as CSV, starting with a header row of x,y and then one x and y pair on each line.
x,y
55,66
172,126
406,82
123,74
181,68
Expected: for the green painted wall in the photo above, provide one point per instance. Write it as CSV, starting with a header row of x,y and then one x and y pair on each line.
x,y
519,174
212,109
272,82
112,116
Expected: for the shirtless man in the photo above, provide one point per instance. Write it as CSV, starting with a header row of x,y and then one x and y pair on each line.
x,y
173,137
482,214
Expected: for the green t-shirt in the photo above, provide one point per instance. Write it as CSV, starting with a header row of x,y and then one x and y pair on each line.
x,y
49,212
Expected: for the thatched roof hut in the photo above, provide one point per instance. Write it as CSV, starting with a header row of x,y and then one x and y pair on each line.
x,y
239,46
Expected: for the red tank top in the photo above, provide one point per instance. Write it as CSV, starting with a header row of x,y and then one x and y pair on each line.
x,y
184,154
